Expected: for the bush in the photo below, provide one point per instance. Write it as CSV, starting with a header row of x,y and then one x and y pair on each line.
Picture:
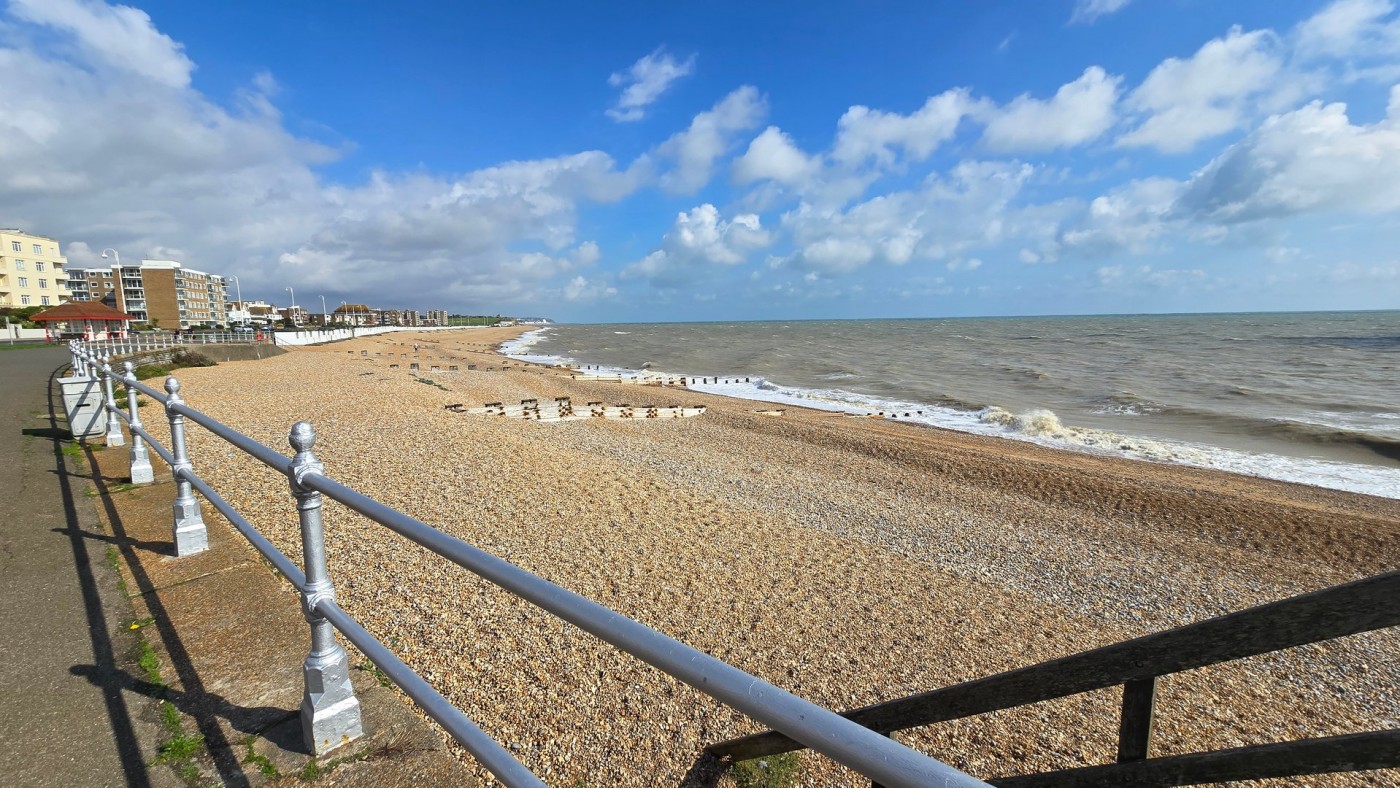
x,y
147,371
189,358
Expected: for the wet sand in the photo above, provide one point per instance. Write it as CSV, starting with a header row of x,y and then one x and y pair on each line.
x,y
847,560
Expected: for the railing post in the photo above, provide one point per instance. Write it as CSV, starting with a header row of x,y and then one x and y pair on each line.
x,y
330,712
1135,727
189,532
141,472
114,427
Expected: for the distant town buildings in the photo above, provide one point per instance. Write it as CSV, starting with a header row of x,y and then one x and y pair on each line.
x,y
32,270
163,294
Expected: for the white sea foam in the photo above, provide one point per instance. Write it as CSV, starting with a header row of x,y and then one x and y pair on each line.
x,y
1038,426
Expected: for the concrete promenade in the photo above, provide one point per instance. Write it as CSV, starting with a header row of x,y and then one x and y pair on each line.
x,y
66,654
83,557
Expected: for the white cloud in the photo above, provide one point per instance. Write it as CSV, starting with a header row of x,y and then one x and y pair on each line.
x,y
1208,94
1311,160
110,146
582,290
699,239
644,82
1350,28
118,37
773,156
864,133
1133,218
968,208
1079,112
711,134
1086,12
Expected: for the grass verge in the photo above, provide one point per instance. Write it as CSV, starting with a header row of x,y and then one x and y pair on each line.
x,y
180,750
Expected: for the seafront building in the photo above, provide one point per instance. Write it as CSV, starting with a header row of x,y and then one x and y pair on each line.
x,y
33,272
160,293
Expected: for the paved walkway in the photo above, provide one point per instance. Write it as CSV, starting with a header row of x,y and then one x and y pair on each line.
x,y
79,562
64,647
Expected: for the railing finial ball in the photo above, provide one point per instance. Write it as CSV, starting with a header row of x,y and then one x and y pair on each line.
x,y
172,385
129,367
303,436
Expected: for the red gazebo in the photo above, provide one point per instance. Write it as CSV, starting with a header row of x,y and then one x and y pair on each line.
x,y
93,318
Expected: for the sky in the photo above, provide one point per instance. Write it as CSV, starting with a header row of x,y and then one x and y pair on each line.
x,y
642,161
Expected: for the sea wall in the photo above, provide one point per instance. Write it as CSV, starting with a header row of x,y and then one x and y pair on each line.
x,y
297,338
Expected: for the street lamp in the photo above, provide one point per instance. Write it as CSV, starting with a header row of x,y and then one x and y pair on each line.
x,y
243,308
325,318
114,254
293,313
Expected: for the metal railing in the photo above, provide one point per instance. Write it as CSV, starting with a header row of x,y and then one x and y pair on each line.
x,y
330,713
140,343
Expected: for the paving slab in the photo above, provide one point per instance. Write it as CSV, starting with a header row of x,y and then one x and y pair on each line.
x,y
230,640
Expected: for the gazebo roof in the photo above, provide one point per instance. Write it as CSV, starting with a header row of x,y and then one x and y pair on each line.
x,y
81,310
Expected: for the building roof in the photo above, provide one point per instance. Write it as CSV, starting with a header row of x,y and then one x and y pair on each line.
x,y
81,310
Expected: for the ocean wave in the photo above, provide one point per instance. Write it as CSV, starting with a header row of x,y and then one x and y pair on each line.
x,y
1126,403
1044,427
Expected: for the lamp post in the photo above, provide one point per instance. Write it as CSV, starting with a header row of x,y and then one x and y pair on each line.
x,y
242,308
293,314
325,318
117,297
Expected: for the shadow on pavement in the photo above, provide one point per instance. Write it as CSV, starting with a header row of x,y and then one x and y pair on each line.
x,y
106,673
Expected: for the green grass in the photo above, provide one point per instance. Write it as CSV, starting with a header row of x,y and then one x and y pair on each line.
x,y
74,451
180,749
431,382
773,771
379,675
23,346
265,767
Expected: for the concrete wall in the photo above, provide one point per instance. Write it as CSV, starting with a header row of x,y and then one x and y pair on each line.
x,y
338,334
20,334
219,353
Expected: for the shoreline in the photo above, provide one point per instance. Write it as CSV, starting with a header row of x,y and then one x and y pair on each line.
x,y
847,560
1038,427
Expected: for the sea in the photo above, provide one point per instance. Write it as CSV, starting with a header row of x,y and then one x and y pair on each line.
x,y
1301,397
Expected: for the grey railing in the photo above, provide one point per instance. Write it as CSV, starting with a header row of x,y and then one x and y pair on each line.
x,y
330,713
140,343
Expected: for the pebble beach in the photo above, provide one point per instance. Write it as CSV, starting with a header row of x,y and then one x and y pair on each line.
x,y
847,560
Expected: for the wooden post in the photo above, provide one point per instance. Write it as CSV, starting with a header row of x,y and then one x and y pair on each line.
x,y
1135,728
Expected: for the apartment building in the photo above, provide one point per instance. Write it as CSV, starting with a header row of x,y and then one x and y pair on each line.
x,y
163,292
437,317
92,284
32,270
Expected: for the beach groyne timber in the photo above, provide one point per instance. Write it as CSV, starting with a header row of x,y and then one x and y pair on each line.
x,y
798,506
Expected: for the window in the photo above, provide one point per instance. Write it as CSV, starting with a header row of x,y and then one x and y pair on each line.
x,y
19,265
16,247
24,299
44,300
38,265
38,249
24,281
43,284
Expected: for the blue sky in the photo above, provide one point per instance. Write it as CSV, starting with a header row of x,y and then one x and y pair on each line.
x,y
650,161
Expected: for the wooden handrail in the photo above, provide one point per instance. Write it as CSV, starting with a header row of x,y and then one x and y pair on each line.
x,y
1361,606
1350,753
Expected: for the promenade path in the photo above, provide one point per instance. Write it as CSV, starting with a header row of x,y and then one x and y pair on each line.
x,y
65,652
81,561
